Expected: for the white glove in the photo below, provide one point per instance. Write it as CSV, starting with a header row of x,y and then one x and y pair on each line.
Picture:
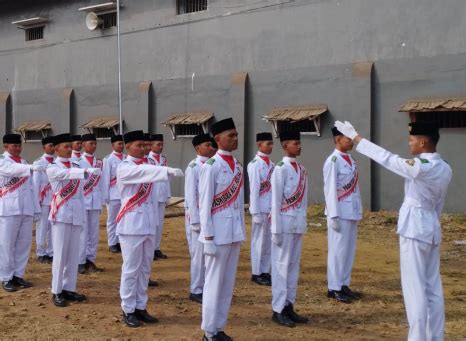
x,y
36,217
210,249
175,172
277,239
38,168
94,171
196,227
257,219
335,224
346,129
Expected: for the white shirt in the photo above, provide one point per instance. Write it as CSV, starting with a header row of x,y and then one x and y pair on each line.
x,y
286,181
162,190
109,173
226,225
76,156
259,172
22,199
191,188
41,182
95,197
339,176
427,177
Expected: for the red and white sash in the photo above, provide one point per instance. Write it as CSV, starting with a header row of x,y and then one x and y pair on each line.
x,y
60,198
93,180
227,198
266,185
43,193
13,185
348,189
113,181
297,197
136,200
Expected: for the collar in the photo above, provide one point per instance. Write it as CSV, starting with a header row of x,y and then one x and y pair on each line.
x,y
47,155
263,154
63,159
116,153
224,152
77,152
134,159
340,152
430,156
88,155
202,158
289,159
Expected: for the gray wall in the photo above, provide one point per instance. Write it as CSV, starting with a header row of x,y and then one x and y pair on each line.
x,y
247,57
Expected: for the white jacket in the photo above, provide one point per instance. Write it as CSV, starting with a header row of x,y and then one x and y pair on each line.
x,y
109,174
96,196
41,182
191,189
260,174
139,220
162,190
17,196
426,182
225,225
341,189
288,215
72,211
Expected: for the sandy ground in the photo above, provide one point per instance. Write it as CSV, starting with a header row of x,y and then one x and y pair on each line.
x,y
30,314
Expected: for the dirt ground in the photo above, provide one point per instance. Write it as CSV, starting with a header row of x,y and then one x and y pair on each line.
x,y
29,313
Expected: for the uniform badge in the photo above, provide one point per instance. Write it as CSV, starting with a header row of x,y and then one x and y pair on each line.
x,y
410,162
281,163
334,158
210,161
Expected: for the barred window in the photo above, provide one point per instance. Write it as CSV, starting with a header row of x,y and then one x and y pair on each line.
x,y
188,130
303,126
444,119
33,136
34,33
190,6
108,20
103,133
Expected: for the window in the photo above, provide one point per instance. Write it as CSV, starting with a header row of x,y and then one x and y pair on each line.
x,y
188,124
190,6
34,33
103,133
444,119
33,136
102,127
108,20
304,126
188,130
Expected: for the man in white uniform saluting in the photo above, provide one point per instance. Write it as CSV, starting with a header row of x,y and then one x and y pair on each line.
x,y
136,227
221,202
67,219
344,210
260,200
427,177
203,146
289,212
19,205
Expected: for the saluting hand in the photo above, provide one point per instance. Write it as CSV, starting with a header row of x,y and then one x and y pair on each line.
x,y
346,129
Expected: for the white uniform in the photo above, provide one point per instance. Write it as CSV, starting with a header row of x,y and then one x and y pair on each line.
x,y
67,218
289,205
162,193
260,202
76,156
191,204
94,197
44,189
343,203
426,182
112,195
221,202
18,204
136,229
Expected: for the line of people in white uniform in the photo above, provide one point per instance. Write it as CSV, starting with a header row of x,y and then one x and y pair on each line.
x,y
64,196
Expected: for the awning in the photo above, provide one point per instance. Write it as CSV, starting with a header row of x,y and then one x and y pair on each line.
x,y
429,104
34,126
189,118
110,6
101,122
296,113
30,22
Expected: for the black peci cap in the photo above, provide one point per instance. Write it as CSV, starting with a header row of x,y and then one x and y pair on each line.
x,y
290,135
423,128
156,137
201,138
12,138
88,137
264,137
146,137
62,138
47,140
136,135
223,125
75,138
116,138
214,143
336,132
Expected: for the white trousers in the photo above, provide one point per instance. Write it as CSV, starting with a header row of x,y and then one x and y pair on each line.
x,y
341,252
422,289
218,287
197,263
137,252
285,270
112,211
44,246
159,229
261,244
15,245
65,256
89,239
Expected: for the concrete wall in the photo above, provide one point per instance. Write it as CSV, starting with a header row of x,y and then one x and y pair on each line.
x,y
362,58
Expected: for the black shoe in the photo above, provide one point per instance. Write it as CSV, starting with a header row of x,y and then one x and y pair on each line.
x,y
213,338
118,246
153,283
294,316
91,267
339,296
9,286
131,320
144,316
283,319
196,298
267,276
42,259
114,249
351,294
73,296
49,259
59,300
159,254
21,283
260,280
82,269
223,337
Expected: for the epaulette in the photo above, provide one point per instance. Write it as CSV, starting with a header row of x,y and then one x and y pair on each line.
x,y
281,163
445,161
424,160
2,156
193,164
253,160
411,162
75,163
334,158
211,161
